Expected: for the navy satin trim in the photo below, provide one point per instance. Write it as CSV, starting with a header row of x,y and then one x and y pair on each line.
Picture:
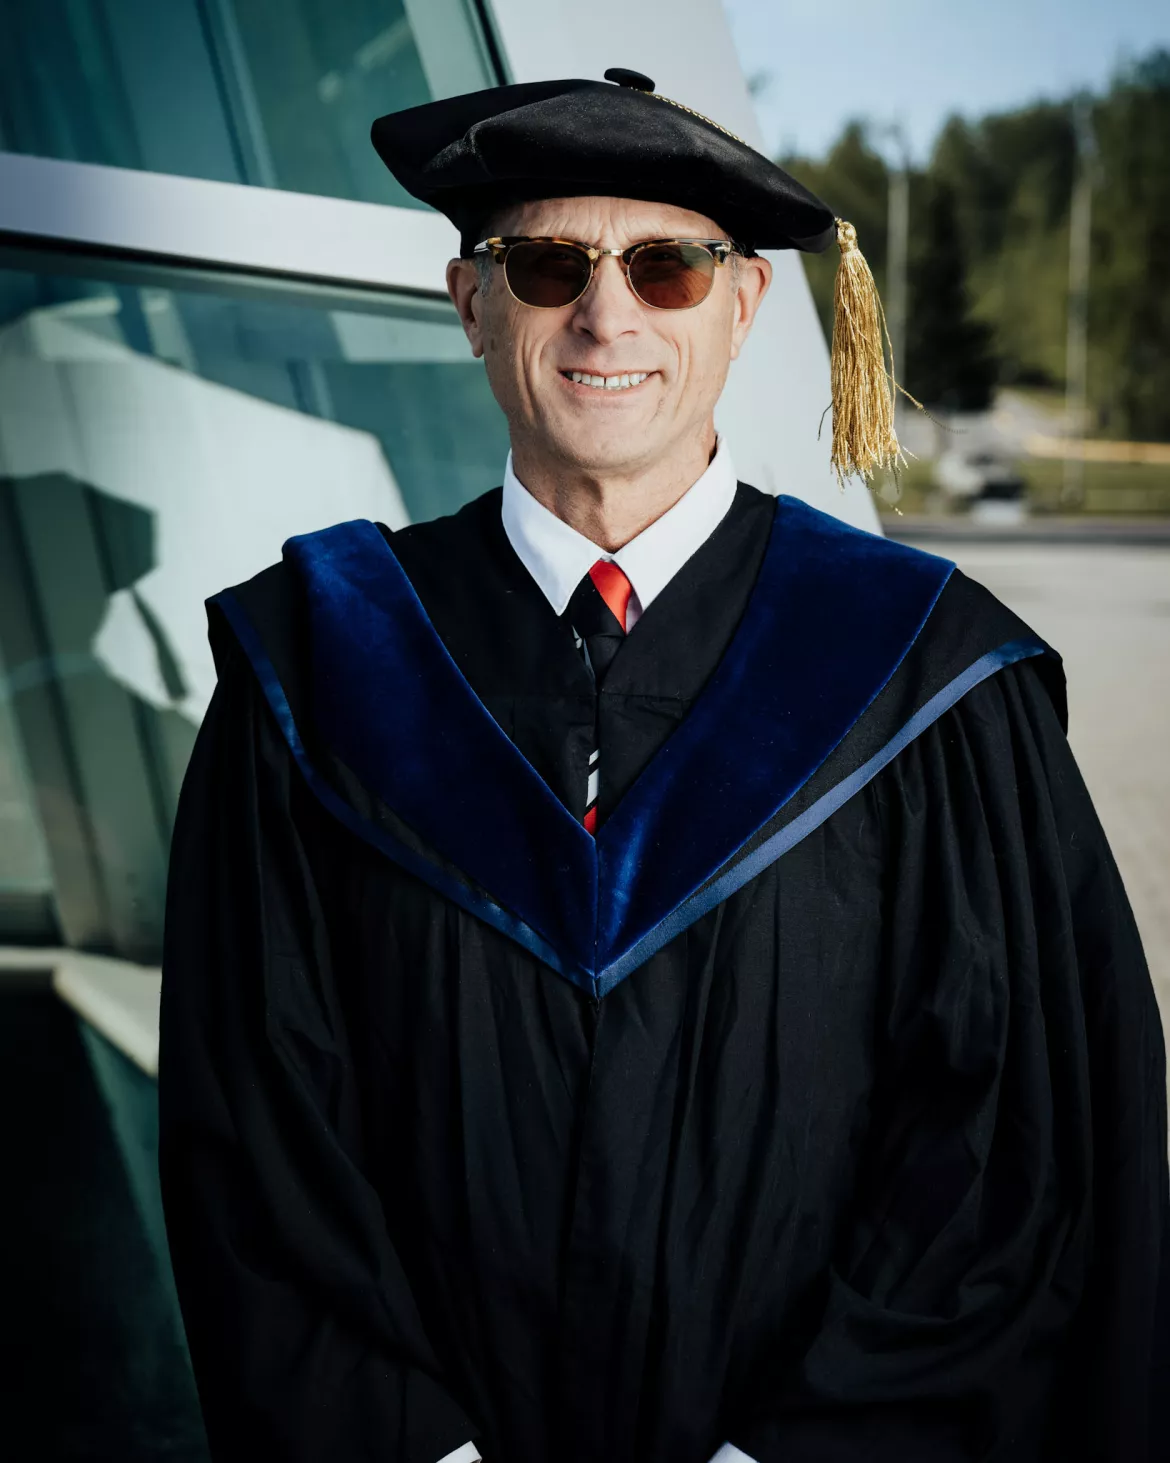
x,y
404,856
792,833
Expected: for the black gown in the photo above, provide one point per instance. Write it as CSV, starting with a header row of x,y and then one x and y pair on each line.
x,y
818,1106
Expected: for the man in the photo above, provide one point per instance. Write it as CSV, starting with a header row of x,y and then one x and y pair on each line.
x,y
644,979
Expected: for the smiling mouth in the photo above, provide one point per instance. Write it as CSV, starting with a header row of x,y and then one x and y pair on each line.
x,y
607,383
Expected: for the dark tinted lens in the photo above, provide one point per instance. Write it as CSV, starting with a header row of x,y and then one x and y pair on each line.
x,y
546,275
672,276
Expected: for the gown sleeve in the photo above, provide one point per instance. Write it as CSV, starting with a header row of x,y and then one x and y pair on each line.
x,y
1001,1286
305,1339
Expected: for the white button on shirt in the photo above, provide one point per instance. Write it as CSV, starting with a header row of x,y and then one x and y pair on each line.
x,y
558,558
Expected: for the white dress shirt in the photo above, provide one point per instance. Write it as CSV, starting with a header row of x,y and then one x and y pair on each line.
x,y
558,558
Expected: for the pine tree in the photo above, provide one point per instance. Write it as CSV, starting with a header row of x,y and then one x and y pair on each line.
x,y
854,182
949,357
1129,298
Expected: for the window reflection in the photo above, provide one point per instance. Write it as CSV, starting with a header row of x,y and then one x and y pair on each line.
x,y
279,93
155,445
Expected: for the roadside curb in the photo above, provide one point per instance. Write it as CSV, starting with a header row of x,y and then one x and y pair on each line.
x,y
1087,529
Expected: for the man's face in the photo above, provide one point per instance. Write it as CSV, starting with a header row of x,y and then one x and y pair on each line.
x,y
531,354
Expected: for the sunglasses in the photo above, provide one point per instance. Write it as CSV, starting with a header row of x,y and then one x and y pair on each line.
x,y
666,274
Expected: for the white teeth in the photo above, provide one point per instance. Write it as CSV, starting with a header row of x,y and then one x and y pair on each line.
x,y
608,383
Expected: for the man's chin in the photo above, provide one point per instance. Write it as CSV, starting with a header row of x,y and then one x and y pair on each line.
x,y
609,452
624,460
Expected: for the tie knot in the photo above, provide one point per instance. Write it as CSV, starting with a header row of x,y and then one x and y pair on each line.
x,y
614,588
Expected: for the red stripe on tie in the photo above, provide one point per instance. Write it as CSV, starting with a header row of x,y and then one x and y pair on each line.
x,y
590,820
614,588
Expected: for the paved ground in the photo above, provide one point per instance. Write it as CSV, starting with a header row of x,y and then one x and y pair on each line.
x,y
1106,608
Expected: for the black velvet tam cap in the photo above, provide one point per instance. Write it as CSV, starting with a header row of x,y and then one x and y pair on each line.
x,y
471,155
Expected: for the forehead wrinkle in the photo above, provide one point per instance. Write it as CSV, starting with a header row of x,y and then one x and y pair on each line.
x,y
610,222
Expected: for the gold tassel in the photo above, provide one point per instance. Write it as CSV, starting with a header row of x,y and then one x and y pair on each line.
x,y
864,439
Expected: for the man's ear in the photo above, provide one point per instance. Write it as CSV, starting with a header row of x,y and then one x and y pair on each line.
x,y
463,287
755,275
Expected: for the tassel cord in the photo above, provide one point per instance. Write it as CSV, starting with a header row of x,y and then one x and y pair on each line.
x,y
863,390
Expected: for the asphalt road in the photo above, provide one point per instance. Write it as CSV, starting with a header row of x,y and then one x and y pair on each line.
x,y
1106,608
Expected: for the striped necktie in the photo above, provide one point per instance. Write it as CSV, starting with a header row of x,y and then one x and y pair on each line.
x,y
597,611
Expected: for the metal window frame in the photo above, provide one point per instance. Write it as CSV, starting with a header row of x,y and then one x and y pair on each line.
x,y
152,223
197,233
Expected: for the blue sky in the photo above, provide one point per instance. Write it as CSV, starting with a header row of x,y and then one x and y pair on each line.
x,y
917,61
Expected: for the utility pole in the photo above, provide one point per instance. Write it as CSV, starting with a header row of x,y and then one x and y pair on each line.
x,y
1076,355
897,253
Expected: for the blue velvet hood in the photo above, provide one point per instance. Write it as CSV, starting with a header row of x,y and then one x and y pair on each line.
x,y
850,646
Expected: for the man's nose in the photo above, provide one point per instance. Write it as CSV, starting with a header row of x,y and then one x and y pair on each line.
x,y
608,308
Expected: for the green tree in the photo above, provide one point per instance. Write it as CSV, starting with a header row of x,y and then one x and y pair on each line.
x,y
1129,294
989,221
990,162
1011,177
949,356
853,180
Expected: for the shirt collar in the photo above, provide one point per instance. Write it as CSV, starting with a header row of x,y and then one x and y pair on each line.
x,y
558,557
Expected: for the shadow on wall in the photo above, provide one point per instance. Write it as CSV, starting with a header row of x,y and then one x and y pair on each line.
x,y
95,768
97,1369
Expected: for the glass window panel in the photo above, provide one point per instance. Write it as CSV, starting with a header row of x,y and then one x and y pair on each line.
x,y
26,880
156,444
279,93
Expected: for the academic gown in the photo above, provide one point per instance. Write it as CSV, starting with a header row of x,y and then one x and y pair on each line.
x,y
818,1105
